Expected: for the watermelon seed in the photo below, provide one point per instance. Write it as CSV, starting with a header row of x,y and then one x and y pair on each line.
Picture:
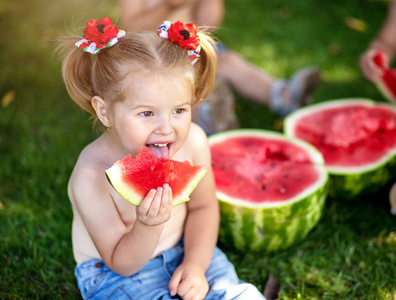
x,y
263,187
282,190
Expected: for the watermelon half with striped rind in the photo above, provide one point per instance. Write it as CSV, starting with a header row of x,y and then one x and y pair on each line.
x,y
357,138
387,83
134,177
271,188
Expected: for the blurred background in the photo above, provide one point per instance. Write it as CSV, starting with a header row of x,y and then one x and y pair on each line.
x,y
349,255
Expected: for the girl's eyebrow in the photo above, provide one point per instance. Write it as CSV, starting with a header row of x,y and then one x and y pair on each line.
x,y
142,106
184,103
150,107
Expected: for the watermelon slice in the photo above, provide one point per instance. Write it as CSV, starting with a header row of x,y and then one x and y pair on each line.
x,y
387,84
271,188
134,177
357,138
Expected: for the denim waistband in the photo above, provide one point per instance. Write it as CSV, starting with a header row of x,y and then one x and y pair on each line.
x,y
168,255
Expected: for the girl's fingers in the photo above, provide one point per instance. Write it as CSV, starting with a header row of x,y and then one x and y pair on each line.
x,y
168,200
146,202
156,207
166,204
156,203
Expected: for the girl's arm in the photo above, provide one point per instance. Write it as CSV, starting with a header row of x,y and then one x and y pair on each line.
x,y
124,250
201,229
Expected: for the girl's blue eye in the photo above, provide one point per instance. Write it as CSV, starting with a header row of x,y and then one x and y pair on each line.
x,y
146,114
178,110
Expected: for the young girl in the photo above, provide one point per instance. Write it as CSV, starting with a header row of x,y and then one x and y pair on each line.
x,y
141,86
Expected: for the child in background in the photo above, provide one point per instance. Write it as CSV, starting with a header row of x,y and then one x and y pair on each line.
x,y
141,86
281,95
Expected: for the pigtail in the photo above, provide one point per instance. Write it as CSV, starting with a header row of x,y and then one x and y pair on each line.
x,y
77,73
205,68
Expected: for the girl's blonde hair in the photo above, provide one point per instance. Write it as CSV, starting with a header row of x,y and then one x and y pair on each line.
x,y
86,75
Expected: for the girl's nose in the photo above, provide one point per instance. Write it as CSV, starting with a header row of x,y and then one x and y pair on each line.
x,y
164,126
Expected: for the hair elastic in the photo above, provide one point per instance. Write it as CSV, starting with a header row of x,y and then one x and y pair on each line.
x,y
185,35
99,35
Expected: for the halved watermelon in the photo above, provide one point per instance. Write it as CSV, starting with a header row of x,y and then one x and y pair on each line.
x,y
357,138
271,188
134,177
387,84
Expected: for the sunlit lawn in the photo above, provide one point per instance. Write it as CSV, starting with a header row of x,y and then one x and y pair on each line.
x,y
349,255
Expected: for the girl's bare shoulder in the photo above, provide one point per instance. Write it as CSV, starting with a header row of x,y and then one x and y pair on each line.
x,y
197,142
89,170
197,137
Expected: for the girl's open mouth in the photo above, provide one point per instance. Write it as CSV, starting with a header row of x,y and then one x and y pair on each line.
x,y
160,150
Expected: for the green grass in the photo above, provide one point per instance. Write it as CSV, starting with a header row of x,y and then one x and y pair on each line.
x,y
349,255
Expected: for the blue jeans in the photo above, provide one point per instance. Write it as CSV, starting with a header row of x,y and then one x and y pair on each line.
x,y
96,281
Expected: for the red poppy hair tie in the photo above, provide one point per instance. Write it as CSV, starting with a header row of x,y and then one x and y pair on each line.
x,y
99,35
184,35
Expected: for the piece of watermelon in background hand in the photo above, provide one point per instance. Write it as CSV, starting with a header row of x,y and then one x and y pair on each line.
x,y
379,59
134,177
387,83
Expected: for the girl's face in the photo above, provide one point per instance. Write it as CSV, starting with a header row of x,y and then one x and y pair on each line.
x,y
156,113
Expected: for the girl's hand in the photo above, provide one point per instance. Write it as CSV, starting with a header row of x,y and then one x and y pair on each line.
x,y
189,282
156,207
370,70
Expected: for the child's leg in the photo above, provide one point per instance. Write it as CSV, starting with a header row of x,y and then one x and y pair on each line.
x,y
96,281
224,282
247,79
281,95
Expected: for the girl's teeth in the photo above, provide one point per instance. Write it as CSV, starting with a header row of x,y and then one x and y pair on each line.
x,y
160,145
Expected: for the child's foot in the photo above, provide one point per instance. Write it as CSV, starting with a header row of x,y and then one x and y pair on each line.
x,y
287,96
271,289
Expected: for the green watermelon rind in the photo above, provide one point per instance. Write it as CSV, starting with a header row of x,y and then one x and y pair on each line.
x,y
351,182
352,185
190,187
114,176
267,227
244,228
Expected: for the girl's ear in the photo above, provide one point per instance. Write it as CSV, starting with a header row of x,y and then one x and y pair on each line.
x,y
100,108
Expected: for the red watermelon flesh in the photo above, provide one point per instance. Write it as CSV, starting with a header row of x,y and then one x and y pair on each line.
x,y
271,188
261,170
351,135
134,177
379,59
387,84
